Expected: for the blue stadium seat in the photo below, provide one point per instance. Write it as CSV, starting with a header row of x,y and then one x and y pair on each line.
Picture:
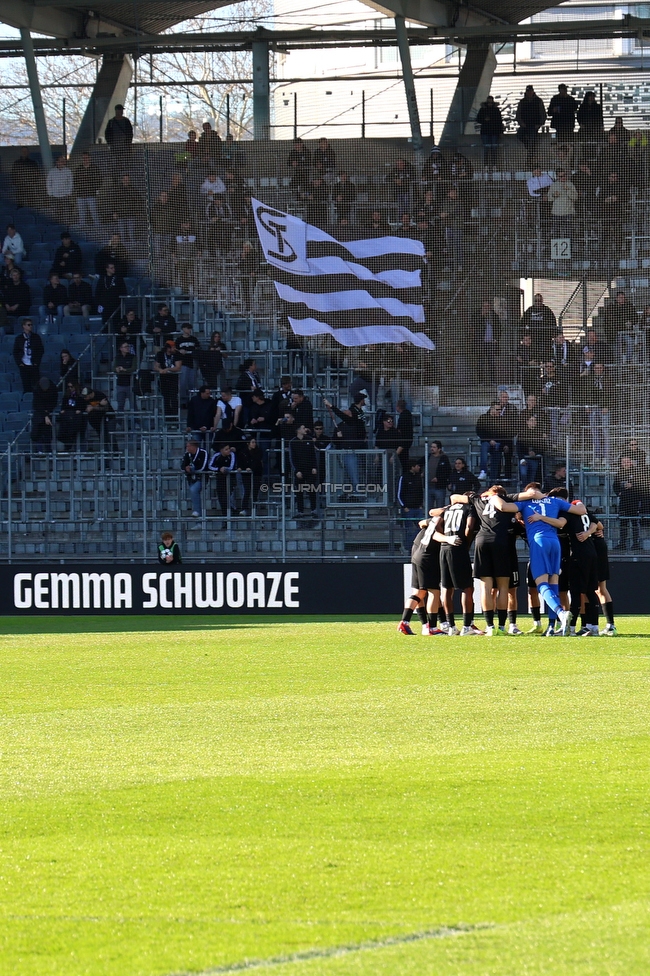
x,y
73,324
39,252
9,402
30,268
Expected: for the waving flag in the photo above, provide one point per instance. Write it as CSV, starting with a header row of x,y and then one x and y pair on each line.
x,y
360,292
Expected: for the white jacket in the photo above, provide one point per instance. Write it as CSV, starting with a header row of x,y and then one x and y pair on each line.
x,y
14,246
208,187
59,182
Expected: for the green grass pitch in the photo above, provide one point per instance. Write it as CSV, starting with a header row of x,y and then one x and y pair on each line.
x,y
321,798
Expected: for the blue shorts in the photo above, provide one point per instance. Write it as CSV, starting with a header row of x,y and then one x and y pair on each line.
x,y
545,556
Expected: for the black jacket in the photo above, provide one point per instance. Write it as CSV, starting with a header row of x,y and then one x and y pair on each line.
x,y
37,348
108,291
19,295
198,461
353,429
67,260
81,294
55,296
303,455
200,412
410,491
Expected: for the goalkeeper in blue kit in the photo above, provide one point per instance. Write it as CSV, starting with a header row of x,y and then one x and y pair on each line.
x,y
540,515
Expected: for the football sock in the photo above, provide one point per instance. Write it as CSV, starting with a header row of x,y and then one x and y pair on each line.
x,y
442,616
408,613
489,618
432,619
502,615
551,600
512,616
467,619
451,620
422,614
608,609
536,613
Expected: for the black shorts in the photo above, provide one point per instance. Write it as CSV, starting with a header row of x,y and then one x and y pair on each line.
x,y
602,559
492,559
583,575
425,572
564,581
455,568
532,585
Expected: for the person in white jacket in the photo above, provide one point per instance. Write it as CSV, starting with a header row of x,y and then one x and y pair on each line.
x,y
60,186
13,245
562,196
213,186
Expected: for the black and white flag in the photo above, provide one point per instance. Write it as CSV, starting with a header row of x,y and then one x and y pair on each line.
x,y
360,292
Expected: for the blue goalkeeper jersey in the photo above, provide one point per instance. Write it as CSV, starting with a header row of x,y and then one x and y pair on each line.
x,y
538,533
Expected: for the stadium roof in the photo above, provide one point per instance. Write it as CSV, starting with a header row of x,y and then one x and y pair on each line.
x,y
83,18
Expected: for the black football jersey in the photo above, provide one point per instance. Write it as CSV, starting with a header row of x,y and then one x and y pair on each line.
x,y
424,543
574,525
454,522
496,526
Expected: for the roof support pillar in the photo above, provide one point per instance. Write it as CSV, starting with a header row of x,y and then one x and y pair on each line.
x,y
37,100
474,82
409,83
110,89
261,90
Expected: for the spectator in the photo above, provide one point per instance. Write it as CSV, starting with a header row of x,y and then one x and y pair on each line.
x,y
324,158
28,352
108,291
453,217
80,297
201,411
87,181
553,397
68,366
590,118
485,341
185,253
619,320
248,382
46,397
192,145
162,325
99,412
17,295
302,409
353,435
304,464
167,364
586,183
55,298
387,437
128,209
114,253
530,117
527,364
490,430
247,270
26,179
377,226
405,431
222,463
60,187
439,471
209,144
461,479
168,550
532,444
163,225
539,320
299,163
562,111
213,186
344,195
628,485
177,198
128,329
72,416
563,197
229,408
597,394
124,367
317,201
410,498
281,399
401,182
13,246
68,257
490,123
194,464
252,472
218,227
188,346
119,136
538,185
211,362
565,356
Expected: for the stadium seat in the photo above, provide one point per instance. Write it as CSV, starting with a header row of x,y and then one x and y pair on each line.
x,y
73,324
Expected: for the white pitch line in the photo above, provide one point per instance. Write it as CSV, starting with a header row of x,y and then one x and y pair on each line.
x,y
444,932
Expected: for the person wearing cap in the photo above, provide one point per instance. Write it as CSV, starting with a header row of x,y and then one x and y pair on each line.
x,y
562,113
530,117
351,434
167,364
119,132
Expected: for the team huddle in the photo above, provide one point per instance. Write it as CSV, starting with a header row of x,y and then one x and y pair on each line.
x,y
568,565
